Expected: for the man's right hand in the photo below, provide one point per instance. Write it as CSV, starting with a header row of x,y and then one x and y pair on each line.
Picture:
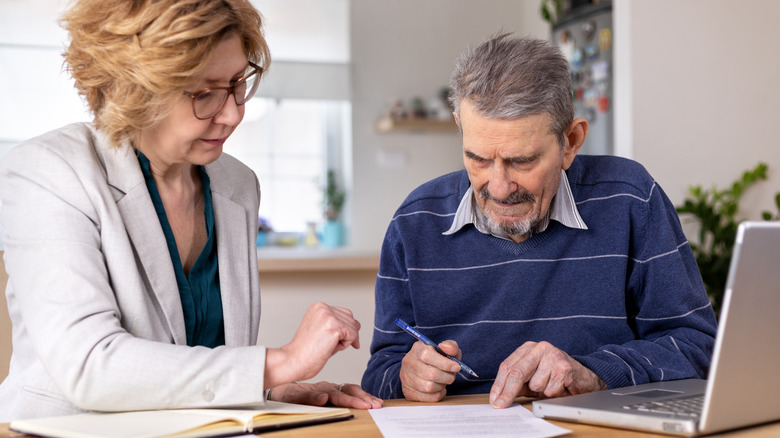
x,y
425,373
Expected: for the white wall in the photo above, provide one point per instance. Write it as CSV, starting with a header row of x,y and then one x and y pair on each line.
x,y
401,49
287,296
706,92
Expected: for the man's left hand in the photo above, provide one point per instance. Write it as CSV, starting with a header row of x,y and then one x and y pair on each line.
x,y
541,370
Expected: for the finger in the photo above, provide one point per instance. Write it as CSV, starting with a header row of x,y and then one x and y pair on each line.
x,y
350,327
555,370
430,381
303,393
342,310
348,333
558,376
352,396
340,315
513,374
351,337
503,373
423,377
357,391
315,398
346,316
451,347
426,397
541,382
348,340
513,385
510,361
429,356
418,377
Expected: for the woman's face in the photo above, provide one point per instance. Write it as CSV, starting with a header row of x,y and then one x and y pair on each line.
x,y
181,138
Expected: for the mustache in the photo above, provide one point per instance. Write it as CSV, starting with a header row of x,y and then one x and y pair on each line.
x,y
513,198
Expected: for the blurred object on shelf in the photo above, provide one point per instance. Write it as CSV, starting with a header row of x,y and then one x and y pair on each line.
x,y
435,115
311,239
263,229
416,125
418,108
286,239
332,234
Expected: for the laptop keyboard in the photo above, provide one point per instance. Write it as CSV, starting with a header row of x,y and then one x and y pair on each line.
x,y
689,407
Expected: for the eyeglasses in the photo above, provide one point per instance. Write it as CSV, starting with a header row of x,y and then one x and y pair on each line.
x,y
208,102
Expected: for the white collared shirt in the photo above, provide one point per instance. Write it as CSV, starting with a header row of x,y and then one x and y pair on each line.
x,y
563,209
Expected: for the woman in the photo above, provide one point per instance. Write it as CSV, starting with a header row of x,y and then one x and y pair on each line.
x,y
129,242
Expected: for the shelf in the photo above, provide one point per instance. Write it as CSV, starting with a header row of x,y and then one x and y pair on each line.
x,y
300,259
415,125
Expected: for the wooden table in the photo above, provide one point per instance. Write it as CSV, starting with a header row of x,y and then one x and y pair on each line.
x,y
362,426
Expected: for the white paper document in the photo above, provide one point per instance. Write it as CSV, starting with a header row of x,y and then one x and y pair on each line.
x,y
462,421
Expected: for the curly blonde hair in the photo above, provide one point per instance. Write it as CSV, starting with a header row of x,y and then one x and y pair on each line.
x,y
131,58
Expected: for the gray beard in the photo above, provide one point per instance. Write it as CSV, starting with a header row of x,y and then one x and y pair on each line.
x,y
519,228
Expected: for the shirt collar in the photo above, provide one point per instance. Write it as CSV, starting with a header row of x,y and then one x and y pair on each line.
x,y
563,210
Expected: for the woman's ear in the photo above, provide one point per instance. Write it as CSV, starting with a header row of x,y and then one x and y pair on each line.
x,y
575,137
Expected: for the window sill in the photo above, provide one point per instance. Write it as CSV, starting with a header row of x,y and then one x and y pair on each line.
x,y
302,259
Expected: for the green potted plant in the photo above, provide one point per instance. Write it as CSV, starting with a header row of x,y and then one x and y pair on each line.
x,y
551,10
715,211
333,198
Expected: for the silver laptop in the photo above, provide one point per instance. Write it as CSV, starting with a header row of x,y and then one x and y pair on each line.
x,y
743,385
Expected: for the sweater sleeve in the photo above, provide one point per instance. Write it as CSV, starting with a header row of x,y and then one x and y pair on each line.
x,y
392,298
667,306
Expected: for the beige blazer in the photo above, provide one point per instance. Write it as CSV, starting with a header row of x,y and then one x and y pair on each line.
x,y
97,319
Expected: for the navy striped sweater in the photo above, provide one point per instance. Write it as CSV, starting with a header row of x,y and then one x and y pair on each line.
x,y
624,297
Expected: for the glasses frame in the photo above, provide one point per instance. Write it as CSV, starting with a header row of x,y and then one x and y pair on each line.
x,y
257,70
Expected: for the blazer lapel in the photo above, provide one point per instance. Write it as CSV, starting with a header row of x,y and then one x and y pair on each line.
x,y
123,172
231,227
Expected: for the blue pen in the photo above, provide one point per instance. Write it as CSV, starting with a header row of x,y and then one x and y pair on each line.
x,y
420,337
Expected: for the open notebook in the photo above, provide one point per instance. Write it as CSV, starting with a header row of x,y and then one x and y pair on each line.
x,y
742,388
180,423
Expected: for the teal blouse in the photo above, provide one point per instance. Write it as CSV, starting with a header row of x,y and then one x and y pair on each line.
x,y
200,293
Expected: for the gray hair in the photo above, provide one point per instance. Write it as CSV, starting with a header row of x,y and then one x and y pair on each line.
x,y
510,78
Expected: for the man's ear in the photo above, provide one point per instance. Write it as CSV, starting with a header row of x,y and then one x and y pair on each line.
x,y
457,120
575,137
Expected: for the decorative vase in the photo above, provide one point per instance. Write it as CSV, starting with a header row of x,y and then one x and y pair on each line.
x,y
262,238
332,234
311,239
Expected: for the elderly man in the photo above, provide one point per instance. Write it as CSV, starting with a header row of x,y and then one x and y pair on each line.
x,y
546,272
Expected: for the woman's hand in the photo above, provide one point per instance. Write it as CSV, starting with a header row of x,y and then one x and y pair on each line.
x,y
345,395
324,331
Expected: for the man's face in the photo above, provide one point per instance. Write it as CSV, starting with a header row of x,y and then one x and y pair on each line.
x,y
514,167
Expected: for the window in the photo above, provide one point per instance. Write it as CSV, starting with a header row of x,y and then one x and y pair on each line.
x,y
293,132
290,144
